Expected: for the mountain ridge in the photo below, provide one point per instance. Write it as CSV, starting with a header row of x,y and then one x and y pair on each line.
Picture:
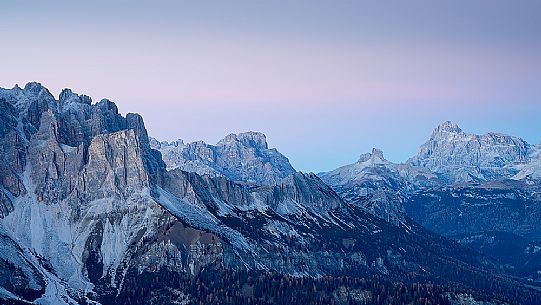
x,y
243,157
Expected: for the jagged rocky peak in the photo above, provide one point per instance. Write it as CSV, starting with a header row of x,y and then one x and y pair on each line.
x,y
158,144
66,94
32,101
447,127
33,97
55,137
376,156
464,157
243,157
68,98
35,88
155,143
248,139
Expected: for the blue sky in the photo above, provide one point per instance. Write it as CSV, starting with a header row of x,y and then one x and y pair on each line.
x,y
325,80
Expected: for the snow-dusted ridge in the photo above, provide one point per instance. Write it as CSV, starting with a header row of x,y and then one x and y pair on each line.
x,y
243,157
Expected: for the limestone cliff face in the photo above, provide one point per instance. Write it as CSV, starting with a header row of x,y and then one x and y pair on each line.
x,y
115,166
243,157
53,167
12,156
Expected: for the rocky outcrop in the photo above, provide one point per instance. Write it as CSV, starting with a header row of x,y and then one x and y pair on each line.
x,y
244,158
54,167
88,207
6,205
18,275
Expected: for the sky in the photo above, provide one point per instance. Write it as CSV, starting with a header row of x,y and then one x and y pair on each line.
x,y
325,80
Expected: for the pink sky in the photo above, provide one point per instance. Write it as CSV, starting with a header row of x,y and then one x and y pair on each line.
x,y
324,80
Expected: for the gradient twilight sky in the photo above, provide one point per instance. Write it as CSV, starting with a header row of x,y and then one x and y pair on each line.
x,y
324,80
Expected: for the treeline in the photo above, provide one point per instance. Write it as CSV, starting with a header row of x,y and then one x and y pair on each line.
x,y
248,287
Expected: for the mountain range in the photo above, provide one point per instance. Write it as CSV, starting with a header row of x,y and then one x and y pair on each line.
x,y
93,210
483,191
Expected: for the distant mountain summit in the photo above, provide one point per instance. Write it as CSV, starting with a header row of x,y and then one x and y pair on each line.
x,y
243,157
463,157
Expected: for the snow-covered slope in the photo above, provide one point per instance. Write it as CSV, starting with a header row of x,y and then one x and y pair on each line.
x,y
243,157
531,169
